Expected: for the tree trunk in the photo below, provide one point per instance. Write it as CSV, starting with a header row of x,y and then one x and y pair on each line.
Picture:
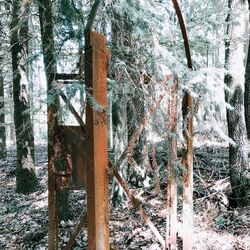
x,y
247,83
46,23
234,80
26,180
3,151
247,93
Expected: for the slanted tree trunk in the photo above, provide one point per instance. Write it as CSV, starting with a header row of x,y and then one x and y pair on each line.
x,y
234,80
3,151
26,180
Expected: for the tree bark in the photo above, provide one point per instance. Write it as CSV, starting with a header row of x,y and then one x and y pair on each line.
x,y
26,180
47,33
247,94
3,151
48,47
234,80
247,83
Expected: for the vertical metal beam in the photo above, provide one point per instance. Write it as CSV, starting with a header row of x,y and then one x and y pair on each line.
x,y
171,184
97,141
187,162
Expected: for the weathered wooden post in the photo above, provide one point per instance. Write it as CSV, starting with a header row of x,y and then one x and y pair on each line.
x,y
97,141
171,181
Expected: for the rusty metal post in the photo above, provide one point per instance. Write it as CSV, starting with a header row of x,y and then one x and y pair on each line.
x,y
97,141
187,162
171,184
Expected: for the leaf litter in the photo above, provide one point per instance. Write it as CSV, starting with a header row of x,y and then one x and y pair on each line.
x,y
24,218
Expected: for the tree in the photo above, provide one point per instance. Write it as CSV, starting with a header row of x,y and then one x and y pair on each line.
x,y
3,151
48,47
234,80
247,85
26,180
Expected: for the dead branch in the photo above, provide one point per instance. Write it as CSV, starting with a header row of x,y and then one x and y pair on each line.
x,y
136,134
77,230
136,203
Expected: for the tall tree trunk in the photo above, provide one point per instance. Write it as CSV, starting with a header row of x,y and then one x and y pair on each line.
x,y
247,94
247,83
234,80
3,151
26,180
46,23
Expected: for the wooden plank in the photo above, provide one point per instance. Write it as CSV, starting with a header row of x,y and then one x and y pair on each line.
x,y
97,142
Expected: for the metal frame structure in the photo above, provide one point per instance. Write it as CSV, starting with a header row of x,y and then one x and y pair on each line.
x,y
96,155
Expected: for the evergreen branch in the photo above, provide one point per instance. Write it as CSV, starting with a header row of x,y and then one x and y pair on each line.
x,y
137,133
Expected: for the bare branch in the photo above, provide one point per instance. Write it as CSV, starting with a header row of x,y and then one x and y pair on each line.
x,y
91,17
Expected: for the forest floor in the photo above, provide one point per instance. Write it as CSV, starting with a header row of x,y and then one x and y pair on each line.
x,y
24,218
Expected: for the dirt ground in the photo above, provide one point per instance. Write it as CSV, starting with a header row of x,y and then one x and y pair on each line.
x,y
24,218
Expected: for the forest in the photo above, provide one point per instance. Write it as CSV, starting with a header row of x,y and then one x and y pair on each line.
x,y
125,124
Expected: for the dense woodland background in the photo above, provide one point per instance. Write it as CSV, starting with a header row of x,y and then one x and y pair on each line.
x,y
41,40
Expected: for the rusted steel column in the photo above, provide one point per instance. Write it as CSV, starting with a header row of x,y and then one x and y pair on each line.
x,y
187,162
171,182
52,194
97,142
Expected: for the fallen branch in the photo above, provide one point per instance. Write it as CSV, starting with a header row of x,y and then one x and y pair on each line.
x,y
77,230
136,203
